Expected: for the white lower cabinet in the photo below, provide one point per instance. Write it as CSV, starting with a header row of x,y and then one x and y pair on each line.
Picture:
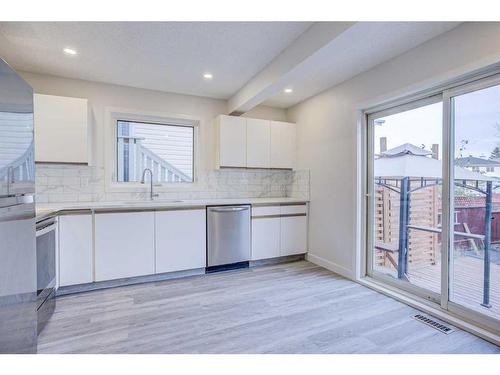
x,y
279,231
117,245
293,235
75,249
124,245
180,240
265,238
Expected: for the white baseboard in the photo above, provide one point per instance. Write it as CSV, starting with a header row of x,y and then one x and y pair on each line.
x,y
329,265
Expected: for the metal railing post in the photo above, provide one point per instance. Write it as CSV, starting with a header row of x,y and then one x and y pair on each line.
x,y
404,215
487,245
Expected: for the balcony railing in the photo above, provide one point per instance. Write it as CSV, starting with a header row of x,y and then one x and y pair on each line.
x,y
22,169
398,255
133,158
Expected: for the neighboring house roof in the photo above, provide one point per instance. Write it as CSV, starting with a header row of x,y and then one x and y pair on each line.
x,y
406,148
471,161
408,160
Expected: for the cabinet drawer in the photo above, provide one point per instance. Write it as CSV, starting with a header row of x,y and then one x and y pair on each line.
x,y
266,211
295,209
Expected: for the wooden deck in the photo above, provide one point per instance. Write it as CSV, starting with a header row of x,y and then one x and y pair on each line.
x,y
467,283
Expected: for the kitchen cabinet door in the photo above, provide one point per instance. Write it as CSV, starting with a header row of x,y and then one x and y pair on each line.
x,y
283,145
293,230
265,238
180,240
75,249
258,143
124,245
61,129
232,141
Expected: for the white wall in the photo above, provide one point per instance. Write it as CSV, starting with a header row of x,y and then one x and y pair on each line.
x,y
328,130
266,113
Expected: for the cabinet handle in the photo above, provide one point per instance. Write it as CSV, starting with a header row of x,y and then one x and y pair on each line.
x,y
229,209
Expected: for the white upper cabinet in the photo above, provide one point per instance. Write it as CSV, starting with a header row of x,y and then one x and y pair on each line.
x,y
254,143
258,143
60,129
232,141
283,144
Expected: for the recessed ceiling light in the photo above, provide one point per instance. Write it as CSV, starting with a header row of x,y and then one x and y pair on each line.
x,y
69,51
288,91
208,76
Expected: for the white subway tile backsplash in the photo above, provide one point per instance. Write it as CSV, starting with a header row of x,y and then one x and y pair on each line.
x,y
80,183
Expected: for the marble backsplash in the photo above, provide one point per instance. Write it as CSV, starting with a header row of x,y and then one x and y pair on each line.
x,y
80,183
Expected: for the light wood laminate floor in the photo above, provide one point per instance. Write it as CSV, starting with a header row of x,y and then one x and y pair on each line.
x,y
288,308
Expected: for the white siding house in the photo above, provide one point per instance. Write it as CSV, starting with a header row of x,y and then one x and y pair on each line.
x,y
16,140
165,149
173,144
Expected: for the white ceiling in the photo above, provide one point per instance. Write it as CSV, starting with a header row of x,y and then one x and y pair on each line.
x,y
167,56
172,56
358,49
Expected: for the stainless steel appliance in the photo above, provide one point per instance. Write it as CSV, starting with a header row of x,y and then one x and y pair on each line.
x,y
228,237
18,283
45,269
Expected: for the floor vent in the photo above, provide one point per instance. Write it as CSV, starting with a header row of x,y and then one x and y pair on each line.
x,y
432,323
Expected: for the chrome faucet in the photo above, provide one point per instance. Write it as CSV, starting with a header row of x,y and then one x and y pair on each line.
x,y
143,180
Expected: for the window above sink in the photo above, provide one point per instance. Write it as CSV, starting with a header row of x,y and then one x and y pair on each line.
x,y
167,144
168,150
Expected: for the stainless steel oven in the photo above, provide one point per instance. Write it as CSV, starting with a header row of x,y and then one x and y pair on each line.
x,y
46,269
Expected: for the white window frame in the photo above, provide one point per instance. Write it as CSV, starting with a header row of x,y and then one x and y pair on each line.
x,y
113,115
421,292
448,190
487,77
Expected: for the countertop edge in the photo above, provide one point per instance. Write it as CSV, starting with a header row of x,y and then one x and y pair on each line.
x,y
45,211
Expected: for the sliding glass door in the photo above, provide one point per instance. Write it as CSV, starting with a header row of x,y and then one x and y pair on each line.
x,y
406,190
434,199
474,261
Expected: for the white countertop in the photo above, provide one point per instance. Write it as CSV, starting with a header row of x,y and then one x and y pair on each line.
x,y
47,209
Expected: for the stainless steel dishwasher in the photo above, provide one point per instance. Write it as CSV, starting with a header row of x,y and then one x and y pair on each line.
x,y
228,237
